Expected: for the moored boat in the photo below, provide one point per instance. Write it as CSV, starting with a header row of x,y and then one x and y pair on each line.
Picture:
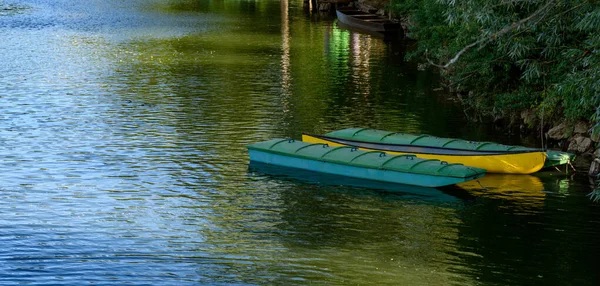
x,y
495,158
370,165
366,21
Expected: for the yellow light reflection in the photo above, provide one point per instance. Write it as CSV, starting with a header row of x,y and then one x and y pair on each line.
x,y
521,190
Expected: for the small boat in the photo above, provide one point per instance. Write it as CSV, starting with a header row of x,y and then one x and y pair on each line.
x,y
366,21
370,165
495,158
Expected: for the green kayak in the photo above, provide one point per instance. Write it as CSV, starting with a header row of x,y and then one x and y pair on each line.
x,y
352,162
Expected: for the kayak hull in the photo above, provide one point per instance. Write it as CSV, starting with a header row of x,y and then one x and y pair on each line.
x,y
324,179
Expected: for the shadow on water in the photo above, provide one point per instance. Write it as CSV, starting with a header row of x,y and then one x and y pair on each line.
x,y
359,185
347,223
524,229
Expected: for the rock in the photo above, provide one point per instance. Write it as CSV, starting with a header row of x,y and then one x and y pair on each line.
x,y
580,144
528,116
594,168
581,127
372,6
558,132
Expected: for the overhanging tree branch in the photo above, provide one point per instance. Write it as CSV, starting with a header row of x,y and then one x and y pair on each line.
x,y
538,14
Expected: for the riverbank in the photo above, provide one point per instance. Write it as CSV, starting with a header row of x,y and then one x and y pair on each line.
x,y
575,138
517,66
124,160
508,89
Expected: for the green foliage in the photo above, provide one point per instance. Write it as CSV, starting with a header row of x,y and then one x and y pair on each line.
x,y
515,54
595,194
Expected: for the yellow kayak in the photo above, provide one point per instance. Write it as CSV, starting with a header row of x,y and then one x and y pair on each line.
x,y
495,158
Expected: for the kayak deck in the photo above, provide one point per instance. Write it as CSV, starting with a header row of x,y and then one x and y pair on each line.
x,y
423,140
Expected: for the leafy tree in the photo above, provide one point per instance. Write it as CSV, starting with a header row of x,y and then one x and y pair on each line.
x,y
505,56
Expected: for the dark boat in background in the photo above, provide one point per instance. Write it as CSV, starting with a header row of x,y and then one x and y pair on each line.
x,y
365,21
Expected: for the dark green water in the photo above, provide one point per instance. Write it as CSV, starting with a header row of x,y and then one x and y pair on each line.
x,y
123,127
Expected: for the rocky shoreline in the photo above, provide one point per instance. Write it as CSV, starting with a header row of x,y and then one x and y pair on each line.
x,y
577,138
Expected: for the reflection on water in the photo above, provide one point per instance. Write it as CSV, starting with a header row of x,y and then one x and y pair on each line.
x,y
123,128
423,193
340,227
518,191
377,35
519,238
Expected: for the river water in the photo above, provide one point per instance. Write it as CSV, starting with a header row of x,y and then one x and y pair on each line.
x,y
123,126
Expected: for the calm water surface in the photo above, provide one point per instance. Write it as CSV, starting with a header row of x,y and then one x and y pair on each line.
x,y
123,127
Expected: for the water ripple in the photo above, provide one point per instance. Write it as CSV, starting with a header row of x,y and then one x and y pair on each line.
x,y
123,133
